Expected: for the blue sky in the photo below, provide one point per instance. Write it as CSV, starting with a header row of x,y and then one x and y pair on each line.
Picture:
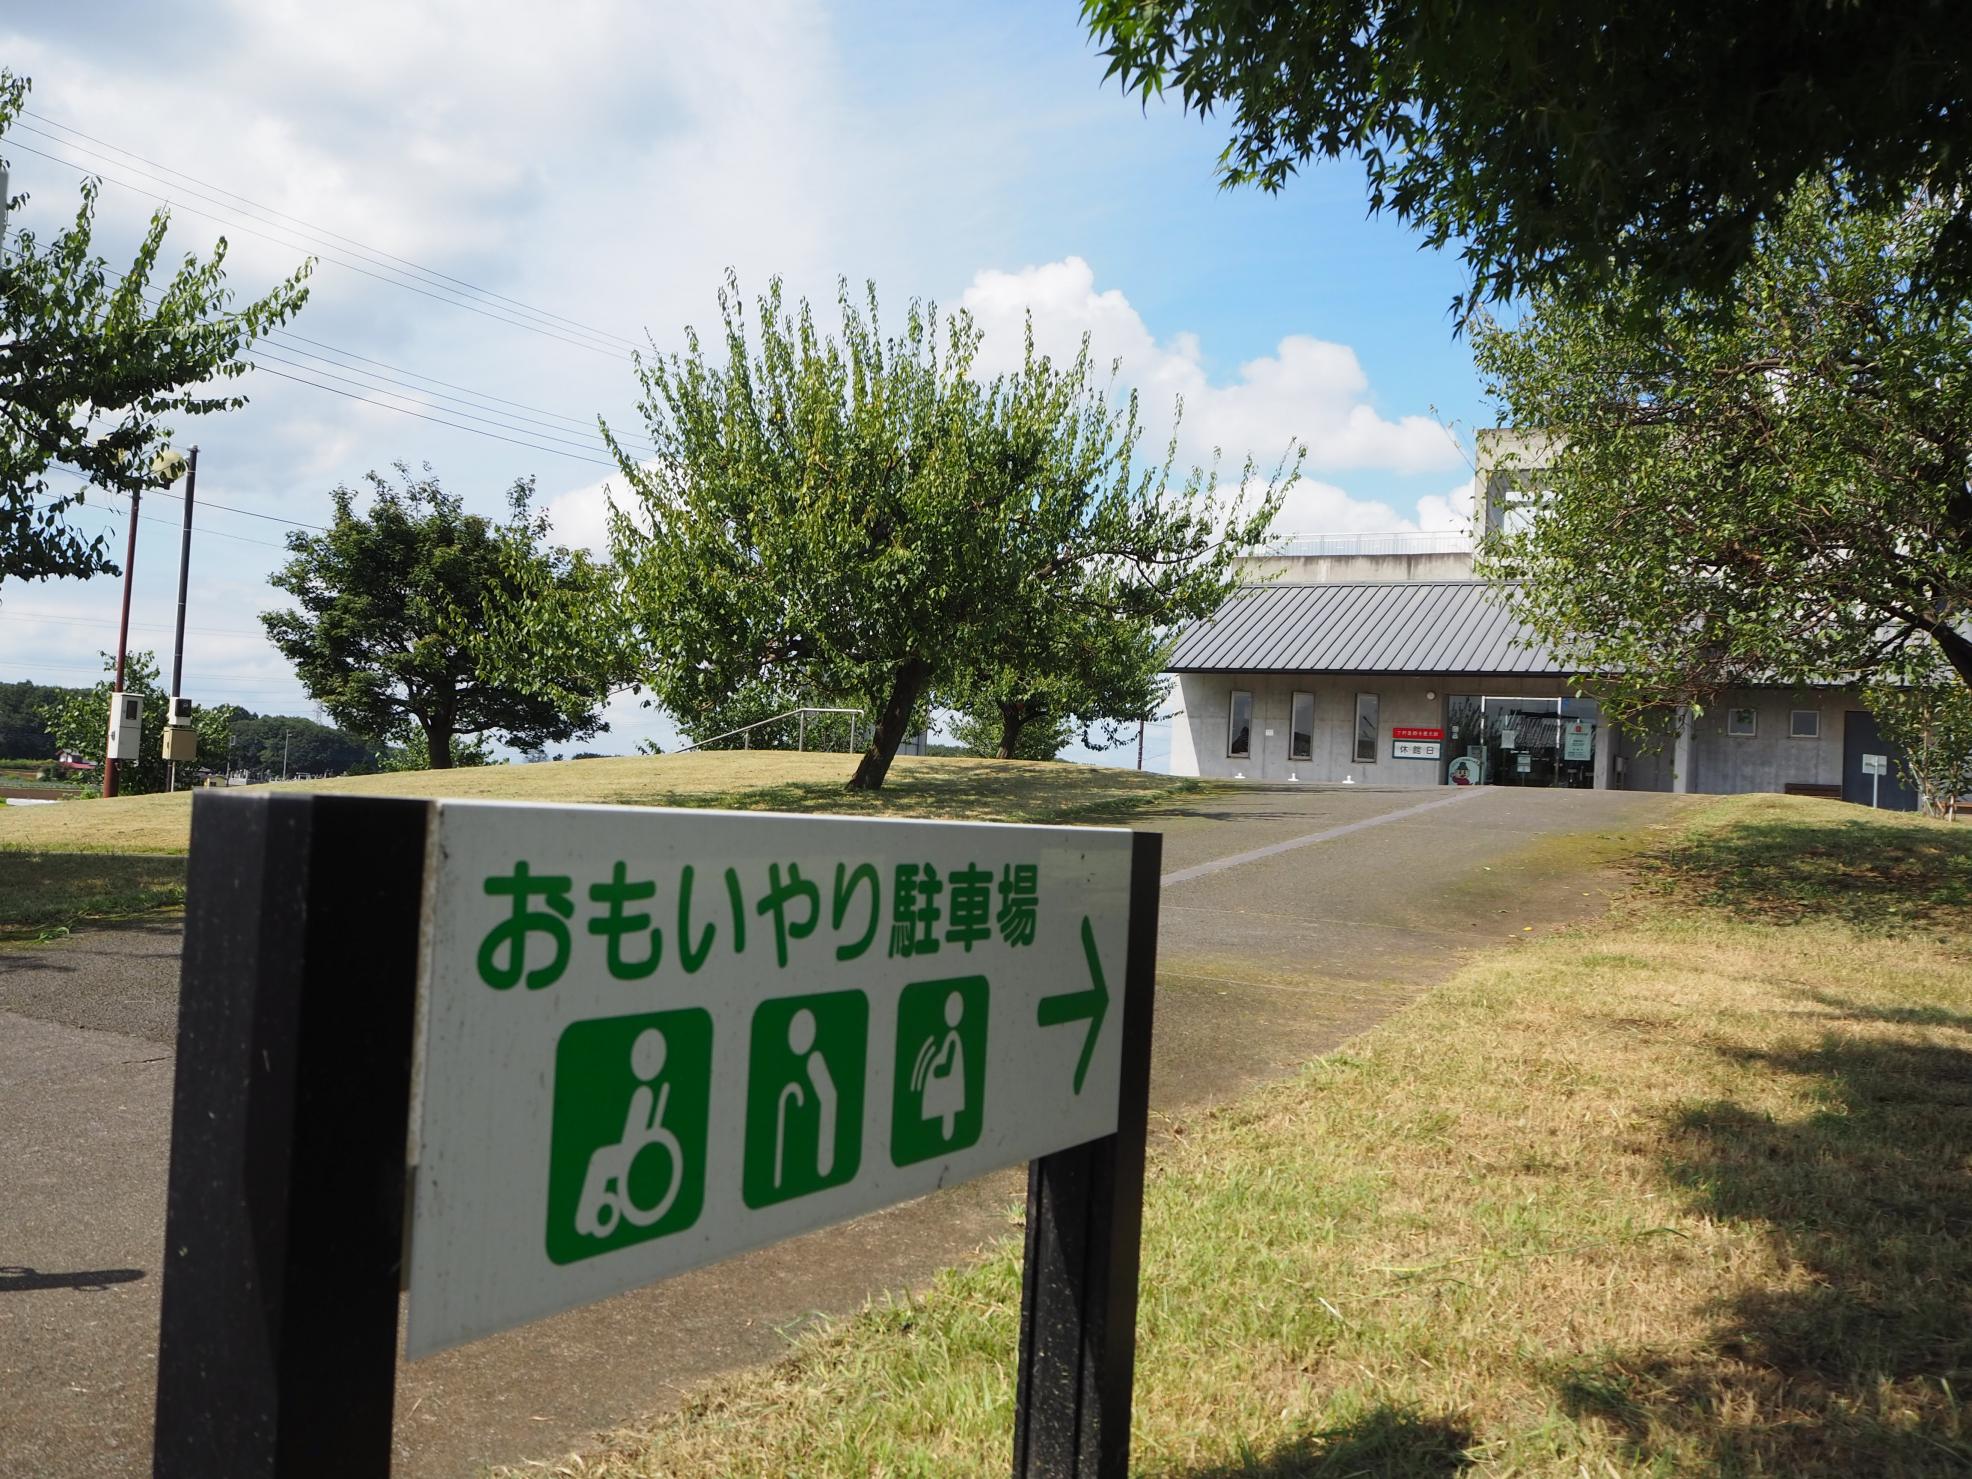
x,y
605,162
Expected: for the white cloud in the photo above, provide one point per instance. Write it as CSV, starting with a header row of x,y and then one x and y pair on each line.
x,y
1309,390
1451,509
1313,507
581,516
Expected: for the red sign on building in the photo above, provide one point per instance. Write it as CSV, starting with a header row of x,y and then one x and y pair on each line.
x,y
1398,731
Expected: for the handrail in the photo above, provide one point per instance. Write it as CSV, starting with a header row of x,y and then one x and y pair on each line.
x,y
800,744
1395,542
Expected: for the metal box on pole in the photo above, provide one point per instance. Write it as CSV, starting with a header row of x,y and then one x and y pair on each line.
x,y
126,726
181,740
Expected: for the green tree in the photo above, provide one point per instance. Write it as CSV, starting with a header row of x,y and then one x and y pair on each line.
x,y
1774,493
1567,147
90,373
1087,672
1098,564
263,741
409,752
983,731
1928,716
79,721
23,723
400,613
864,516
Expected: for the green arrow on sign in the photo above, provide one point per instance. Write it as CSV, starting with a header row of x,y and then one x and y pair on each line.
x,y
1081,1006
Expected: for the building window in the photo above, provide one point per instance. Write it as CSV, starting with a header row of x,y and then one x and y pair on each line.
x,y
1301,728
1239,734
1743,722
1804,724
1368,728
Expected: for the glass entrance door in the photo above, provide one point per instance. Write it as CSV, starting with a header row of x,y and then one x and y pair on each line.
x,y
1523,741
1509,741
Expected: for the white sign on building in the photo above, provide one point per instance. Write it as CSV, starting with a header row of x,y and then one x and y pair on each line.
x,y
650,1039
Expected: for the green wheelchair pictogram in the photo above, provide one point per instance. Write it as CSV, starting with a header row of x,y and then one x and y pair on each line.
x,y
627,1156
938,1101
804,1095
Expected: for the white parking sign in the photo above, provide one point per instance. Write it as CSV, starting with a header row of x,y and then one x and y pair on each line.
x,y
650,1039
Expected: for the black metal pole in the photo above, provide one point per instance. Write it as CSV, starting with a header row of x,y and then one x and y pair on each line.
x,y
284,1219
1078,1302
123,629
184,571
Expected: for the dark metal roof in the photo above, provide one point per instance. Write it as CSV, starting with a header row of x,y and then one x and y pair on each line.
x,y
1424,626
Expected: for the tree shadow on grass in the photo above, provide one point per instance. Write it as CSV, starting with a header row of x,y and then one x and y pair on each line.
x,y
1851,1363
992,791
1877,878
1389,1442
1913,1016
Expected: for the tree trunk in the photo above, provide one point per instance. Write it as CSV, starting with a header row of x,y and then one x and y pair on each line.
x,y
1957,651
890,726
438,745
1013,717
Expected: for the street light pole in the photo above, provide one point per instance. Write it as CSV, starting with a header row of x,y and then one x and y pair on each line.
x,y
184,571
123,629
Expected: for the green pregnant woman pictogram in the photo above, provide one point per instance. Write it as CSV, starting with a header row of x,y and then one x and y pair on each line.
x,y
627,1158
938,1102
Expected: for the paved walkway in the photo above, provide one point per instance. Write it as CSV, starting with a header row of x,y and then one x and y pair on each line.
x,y
1292,919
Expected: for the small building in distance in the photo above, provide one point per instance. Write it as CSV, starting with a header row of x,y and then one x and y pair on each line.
x,y
1379,659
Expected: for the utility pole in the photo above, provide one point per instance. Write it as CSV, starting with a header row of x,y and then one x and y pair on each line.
x,y
123,630
184,570
284,753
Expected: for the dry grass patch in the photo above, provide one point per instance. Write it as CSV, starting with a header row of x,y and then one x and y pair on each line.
x,y
88,859
1682,1192
43,895
935,786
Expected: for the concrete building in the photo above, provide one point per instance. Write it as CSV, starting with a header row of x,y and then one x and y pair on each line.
x,y
1378,659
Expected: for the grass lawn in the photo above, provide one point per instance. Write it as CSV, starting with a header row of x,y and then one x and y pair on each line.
x,y
1688,1191
42,894
85,859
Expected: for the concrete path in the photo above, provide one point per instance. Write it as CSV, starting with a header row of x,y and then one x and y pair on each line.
x,y
1292,919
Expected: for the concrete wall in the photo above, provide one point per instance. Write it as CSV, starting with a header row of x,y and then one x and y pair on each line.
x,y
1768,760
1199,733
1322,569
1645,766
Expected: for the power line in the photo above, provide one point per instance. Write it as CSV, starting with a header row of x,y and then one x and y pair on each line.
x,y
302,246
112,510
15,609
267,210
590,339
229,508
475,399
520,441
58,667
259,354
441,421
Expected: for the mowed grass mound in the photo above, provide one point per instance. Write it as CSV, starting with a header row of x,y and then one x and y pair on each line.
x,y
92,859
1686,1191
922,786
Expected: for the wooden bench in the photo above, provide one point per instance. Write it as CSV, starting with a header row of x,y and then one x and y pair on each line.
x,y
1805,788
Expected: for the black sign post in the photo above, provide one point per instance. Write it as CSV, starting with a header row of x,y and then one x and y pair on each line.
x,y
285,1210
284,1216
1078,1296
